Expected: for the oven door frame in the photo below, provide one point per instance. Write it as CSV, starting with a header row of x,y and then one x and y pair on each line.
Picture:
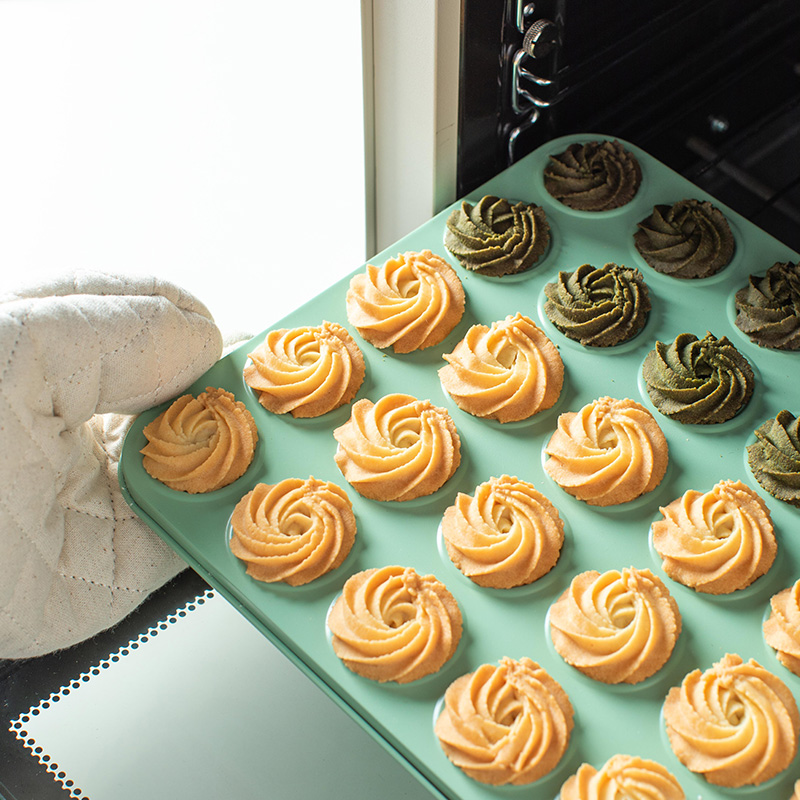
x,y
412,52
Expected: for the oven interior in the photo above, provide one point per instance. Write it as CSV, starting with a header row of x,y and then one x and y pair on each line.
x,y
711,89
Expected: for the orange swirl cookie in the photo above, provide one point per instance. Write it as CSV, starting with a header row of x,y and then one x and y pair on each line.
x,y
609,452
782,627
200,443
736,723
305,371
507,372
398,448
717,541
391,624
410,303
615,627
507,534
623,777
505,724
293,531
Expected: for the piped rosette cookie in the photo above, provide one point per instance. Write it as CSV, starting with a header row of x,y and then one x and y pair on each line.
x,y
412,302
199,444
398,448
594,176
698,381
774,458
609,452
782,627
623,777
736,724
508,371
598,306
508,723
618,626
506,534
718,541
306,371
768,308
293,531
689,239
495,237
392,624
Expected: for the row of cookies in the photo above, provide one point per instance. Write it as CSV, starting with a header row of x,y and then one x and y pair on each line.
x,y
391,624
690,239
508,370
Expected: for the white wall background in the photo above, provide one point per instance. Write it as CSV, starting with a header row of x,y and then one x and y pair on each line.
x,y
217,143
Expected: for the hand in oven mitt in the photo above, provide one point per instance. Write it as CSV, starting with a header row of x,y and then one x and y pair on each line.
x,y
78,357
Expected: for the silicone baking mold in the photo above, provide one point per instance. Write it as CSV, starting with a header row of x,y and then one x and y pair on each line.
x,y
513,622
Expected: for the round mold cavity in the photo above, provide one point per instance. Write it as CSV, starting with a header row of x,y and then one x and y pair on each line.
x,y
734,424
534,270
732,267
763,790
315,587
559,337
655,495
540,586
662,677
548,785
633,206
449,671
333,418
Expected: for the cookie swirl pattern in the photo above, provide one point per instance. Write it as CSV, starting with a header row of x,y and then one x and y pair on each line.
x,y
768,308
736,723
293,531
698,381
623,777
596,176
392,624
782,627
507,372
398,448
609,452
201,443
717,541
598,306
616,626
306,371
690,239
505,724
775,457
412,302
495,238
506,534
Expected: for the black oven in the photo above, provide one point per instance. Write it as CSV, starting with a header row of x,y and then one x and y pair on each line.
x,y
711,88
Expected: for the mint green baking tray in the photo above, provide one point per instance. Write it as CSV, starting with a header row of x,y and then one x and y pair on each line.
x,y
608,719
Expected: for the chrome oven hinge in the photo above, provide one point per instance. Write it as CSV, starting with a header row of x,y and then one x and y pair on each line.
x,y
540,39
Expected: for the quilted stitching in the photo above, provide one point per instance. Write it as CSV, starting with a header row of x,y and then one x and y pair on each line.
x,y
74,559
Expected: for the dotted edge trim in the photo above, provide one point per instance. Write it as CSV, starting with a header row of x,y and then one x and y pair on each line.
x,y
17,726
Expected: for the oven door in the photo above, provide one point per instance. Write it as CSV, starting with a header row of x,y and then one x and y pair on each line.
x,y
711,89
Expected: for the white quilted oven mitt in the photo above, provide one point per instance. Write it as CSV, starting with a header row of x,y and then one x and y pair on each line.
x,y
78,356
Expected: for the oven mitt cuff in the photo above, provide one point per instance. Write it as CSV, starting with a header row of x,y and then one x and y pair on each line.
x,y
78,357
